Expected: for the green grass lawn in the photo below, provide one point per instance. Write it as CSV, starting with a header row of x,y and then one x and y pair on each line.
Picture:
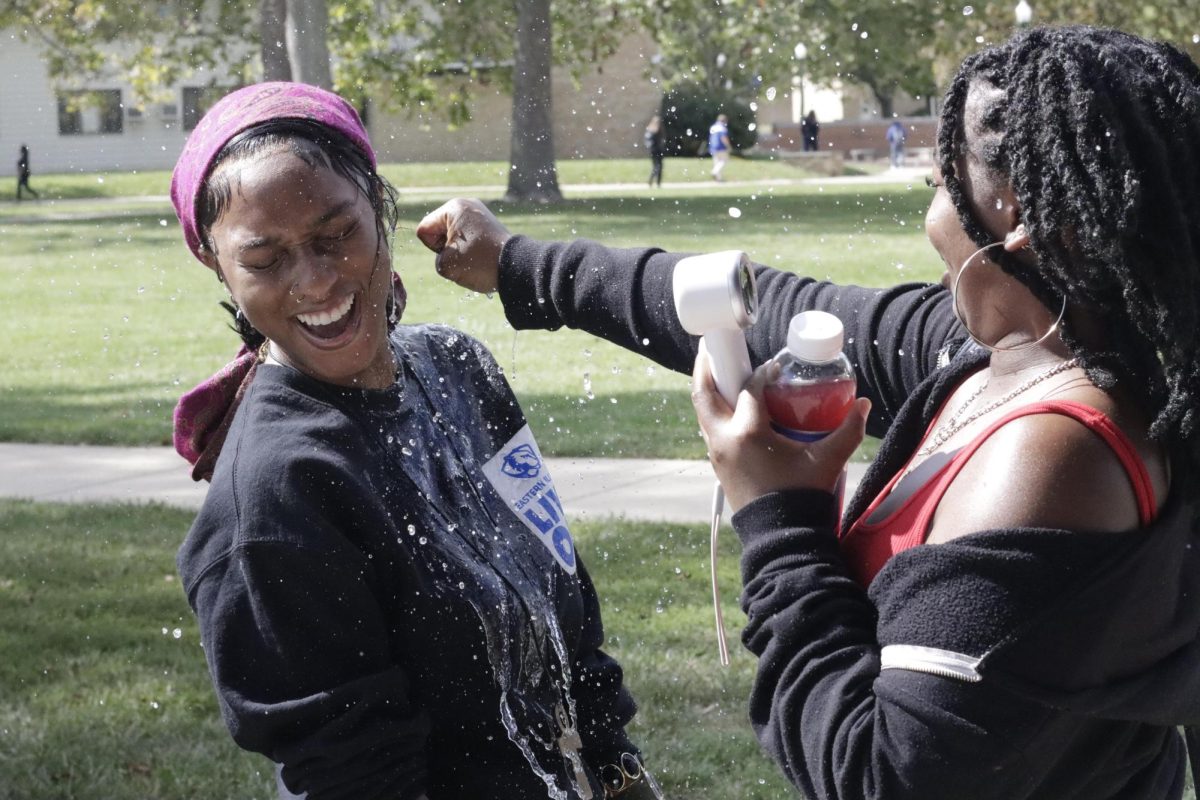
x,y
104,691
78,186
108,318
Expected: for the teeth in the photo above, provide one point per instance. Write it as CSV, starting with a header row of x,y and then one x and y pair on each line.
x,y
328,317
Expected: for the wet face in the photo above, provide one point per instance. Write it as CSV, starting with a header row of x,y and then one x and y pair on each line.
x,y
300,253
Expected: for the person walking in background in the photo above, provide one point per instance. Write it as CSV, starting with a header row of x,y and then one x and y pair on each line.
x,y
23,173
719,146
653,139
809,130
895,139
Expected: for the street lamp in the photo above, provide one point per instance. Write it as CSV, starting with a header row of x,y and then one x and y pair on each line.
x,y
1023,12
800,52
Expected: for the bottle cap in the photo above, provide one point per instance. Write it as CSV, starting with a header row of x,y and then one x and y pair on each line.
x,y
815,336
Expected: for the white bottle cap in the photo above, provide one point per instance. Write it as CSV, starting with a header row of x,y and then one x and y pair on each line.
x,y
815,336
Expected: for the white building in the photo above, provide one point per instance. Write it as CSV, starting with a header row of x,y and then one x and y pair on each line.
x,y
600,116
69,132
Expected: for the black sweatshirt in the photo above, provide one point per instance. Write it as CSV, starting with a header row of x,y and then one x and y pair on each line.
x,y
1023,663
381,577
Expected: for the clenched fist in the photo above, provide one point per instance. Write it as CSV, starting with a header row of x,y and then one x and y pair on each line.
x,y
468,239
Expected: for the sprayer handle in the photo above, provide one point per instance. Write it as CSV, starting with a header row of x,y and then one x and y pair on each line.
x,y
730,361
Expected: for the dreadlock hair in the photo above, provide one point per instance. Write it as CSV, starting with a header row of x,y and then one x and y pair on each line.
x,y
317,146
1096,131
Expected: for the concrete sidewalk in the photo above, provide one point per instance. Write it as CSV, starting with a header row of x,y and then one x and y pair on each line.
x,y
650,489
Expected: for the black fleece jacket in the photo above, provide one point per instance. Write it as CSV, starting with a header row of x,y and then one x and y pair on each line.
x,y
383,577
1023,663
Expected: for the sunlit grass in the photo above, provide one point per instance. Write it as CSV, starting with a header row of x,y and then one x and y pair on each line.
x,y
108,319
104,690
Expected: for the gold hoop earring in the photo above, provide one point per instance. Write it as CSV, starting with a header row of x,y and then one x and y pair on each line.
x,y
959,312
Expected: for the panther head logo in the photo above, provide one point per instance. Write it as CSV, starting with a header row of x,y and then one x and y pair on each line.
x,y
521,462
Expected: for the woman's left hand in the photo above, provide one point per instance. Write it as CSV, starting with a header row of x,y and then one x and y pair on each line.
x,y
749,458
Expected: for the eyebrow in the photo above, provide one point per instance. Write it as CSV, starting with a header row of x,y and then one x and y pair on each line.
x,y
257,242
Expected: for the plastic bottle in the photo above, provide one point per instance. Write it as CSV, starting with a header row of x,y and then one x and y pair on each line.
x,y
815,386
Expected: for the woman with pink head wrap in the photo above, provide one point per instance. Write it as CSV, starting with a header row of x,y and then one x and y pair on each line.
x,y
389,596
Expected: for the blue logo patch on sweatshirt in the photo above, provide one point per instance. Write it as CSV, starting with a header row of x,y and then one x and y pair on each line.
x,y
521,462
516,473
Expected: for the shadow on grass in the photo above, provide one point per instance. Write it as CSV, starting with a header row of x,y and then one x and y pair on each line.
x,y
135,413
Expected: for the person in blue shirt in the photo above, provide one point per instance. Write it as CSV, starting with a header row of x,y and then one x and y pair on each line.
x,y
895,140
719,146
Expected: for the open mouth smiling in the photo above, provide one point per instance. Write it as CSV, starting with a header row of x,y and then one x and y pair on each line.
x,y
329,326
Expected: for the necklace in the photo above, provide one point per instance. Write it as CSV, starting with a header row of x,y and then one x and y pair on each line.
x,y
956,421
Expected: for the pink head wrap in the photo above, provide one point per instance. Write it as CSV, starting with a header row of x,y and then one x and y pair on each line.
x,y
203,415
242,109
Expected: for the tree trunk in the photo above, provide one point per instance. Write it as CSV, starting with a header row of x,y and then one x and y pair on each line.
x,y
308,51
532,176
273,31
887,103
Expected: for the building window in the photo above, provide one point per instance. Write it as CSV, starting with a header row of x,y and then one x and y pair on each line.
x,y
90,111
199,99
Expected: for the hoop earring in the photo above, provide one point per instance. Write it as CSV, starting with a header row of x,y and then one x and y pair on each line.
x,y
962,316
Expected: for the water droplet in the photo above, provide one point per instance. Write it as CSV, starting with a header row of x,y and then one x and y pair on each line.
x,y
735,212
422,540
968,11
177,633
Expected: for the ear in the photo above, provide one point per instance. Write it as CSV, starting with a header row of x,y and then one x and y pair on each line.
x,y
208,259
1016,239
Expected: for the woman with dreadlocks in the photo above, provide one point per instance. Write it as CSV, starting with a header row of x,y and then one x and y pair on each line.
x,y
1009,607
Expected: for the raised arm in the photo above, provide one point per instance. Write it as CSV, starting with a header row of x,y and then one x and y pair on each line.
x,y
893,336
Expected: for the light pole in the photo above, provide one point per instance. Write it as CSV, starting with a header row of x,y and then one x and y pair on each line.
x,y
1024,13
800,51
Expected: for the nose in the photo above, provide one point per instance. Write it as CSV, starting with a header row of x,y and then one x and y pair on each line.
x,y
315,275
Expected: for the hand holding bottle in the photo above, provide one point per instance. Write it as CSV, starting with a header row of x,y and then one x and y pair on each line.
x,y
750,458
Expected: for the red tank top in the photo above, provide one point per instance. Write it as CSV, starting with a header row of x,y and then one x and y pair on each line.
x,y
867,546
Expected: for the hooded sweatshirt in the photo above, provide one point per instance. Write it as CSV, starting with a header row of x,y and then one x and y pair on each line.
x,y
1019,663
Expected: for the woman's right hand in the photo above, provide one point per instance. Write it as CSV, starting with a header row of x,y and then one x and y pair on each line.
x,y
468,239
749,458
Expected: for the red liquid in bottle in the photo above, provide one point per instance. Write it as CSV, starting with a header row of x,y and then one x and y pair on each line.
x,y
809,411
